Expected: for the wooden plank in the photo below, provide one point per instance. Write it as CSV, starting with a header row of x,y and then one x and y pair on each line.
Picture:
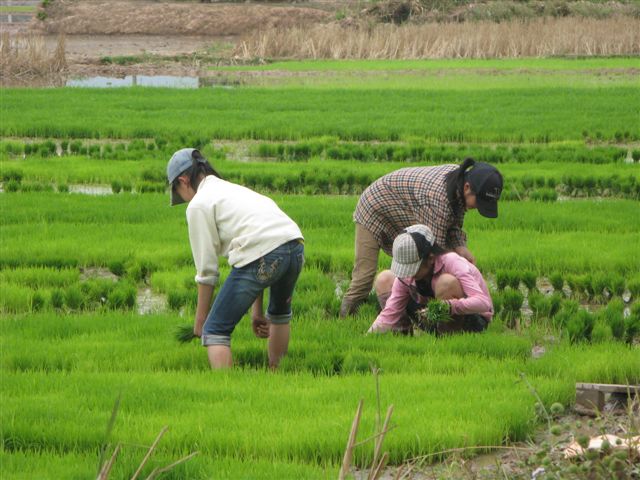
x,y
590,399
609,388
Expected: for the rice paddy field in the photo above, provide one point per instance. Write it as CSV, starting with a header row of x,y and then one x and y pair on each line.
x,y
95,285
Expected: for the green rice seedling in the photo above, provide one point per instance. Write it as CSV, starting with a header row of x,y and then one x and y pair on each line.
x,y
613,316
57,299
179,298
529,279
599,281
557,281
63,188
633,285
38,301
74,298
11,186
12,175
15,298
502,279
97,291
615,284
580,326
601,332
514,278
117,267
116,186
75,147
512,303
122,296
357,362
184,333
496,298
632,324
437,311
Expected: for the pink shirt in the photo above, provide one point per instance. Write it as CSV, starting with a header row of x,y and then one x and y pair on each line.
x,y
476,300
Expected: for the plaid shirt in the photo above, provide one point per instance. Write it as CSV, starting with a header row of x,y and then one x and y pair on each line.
x,y
410,196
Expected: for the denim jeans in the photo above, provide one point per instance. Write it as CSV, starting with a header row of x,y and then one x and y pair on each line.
x,y
278,270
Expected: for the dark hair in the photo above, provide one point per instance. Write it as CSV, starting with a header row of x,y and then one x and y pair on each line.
x,y
457,178
200,166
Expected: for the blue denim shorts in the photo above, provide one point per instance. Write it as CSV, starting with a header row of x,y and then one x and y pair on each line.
x,y
278,270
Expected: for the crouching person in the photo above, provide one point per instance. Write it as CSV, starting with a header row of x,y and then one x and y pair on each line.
x,y
264,248
420,271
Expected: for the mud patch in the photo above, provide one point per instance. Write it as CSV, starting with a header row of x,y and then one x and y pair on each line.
x,y
90,273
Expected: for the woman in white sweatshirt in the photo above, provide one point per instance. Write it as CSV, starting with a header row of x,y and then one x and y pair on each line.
x,y
264,248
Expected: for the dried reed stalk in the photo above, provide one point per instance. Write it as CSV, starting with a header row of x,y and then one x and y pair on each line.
x,y
27,57
535,38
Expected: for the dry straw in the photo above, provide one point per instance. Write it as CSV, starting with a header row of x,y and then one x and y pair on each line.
x,y
537,38
25,57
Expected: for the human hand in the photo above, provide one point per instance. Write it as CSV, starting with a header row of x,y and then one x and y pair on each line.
x,y
260,326
197,330
197,326
465,253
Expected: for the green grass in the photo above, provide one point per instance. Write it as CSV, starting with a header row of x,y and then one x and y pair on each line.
x,y
17,9
517,64
80,364
496,115
67,354
68,230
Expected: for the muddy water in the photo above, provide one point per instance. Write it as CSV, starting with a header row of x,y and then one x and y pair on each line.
x,y
91,189
148,302
161,81
167,81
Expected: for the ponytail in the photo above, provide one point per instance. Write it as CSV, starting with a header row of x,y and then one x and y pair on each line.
x,y
200,167
462,175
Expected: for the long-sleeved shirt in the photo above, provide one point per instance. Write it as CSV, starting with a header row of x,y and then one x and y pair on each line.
x,y
476,294
233,221
409,196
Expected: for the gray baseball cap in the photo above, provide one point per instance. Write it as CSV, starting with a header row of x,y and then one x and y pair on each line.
x,y
180,161
410,248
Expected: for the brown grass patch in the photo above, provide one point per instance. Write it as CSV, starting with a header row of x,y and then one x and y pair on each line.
x,y
24,58
537,38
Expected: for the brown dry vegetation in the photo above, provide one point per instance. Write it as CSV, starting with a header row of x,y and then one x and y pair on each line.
x,y
542,37
25,57
153,18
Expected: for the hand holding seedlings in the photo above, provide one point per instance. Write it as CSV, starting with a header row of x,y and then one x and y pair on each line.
x,y
184,333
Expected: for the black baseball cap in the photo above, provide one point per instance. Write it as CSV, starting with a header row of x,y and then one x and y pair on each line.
x,y
486,183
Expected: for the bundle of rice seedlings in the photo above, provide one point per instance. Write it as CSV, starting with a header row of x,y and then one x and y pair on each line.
x,y
437,311
184,333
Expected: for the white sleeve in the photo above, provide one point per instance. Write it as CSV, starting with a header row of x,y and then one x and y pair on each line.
x,y
205,244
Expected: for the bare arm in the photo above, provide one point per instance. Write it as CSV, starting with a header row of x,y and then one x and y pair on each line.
x,y
258,322
205,293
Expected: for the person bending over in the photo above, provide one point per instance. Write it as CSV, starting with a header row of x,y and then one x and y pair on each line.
x,y
437,197
421,270
263,245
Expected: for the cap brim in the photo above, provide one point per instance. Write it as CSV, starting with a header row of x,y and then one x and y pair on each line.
x,y
405,270
487,209
175,198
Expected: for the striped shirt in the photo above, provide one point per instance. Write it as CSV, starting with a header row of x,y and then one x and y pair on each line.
x,y
409,196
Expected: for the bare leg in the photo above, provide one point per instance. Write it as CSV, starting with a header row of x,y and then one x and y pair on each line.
x,y
384,283
448,287
220,356
278,343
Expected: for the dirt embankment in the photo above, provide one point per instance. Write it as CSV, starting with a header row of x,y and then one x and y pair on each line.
x,y
186,18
